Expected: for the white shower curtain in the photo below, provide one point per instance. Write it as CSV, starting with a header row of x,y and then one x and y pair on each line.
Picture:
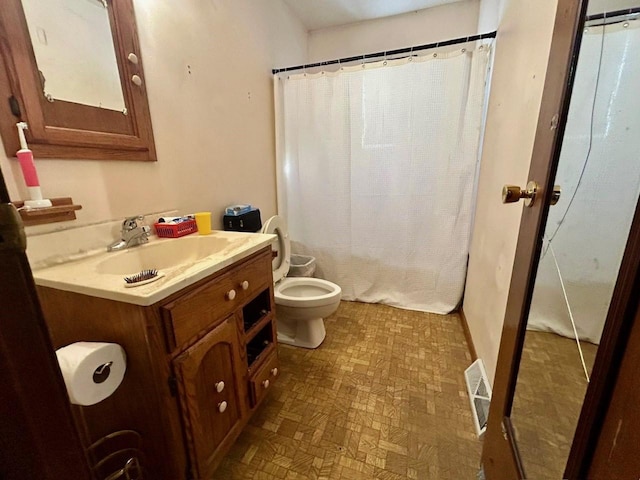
x,y
376,173
590,242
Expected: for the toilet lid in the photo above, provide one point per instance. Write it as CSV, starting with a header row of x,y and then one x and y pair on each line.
x,y
277,226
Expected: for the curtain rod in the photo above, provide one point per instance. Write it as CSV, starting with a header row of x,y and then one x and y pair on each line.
x,y
616,13
427,46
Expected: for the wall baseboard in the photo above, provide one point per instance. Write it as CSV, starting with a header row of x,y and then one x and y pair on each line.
x,y
467,335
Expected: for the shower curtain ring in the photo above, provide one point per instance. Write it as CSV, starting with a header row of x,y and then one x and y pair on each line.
x,y
464,49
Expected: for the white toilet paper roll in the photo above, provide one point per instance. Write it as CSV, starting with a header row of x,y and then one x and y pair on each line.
x,y
92,371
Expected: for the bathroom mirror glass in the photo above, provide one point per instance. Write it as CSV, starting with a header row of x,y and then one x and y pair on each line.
x,y
583,245
74,49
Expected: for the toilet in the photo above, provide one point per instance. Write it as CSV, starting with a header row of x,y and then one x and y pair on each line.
x,y
301,302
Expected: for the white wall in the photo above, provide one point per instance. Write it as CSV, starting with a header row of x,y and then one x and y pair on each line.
x,y
208,77
600,6
415,28
489,14
521,53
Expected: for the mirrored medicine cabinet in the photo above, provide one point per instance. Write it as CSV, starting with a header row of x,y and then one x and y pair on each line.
x,y
72,70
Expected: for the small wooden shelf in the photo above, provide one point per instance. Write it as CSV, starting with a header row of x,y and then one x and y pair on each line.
x,y
259,360
62,210
256,310
257,327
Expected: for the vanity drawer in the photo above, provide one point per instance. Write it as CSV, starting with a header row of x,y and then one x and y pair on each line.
x,y
204,307
261,381
252,277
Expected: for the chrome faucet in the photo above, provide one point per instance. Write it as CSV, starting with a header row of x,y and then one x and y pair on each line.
x,y
132,234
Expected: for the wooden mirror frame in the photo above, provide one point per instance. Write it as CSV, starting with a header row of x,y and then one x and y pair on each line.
x,y
68,130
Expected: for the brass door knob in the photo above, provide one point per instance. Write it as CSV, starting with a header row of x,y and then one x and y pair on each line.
x,y
513,193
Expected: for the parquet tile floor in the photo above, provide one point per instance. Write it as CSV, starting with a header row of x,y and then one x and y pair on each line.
x,y
548,399
382,398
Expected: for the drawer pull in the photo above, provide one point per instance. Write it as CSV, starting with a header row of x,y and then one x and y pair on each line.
x,y
219,386
274,371
265,384
222,406
231,294
245,285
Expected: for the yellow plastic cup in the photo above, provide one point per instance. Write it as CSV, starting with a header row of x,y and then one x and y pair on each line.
x,y
203,220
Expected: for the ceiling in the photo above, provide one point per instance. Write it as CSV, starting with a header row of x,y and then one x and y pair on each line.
x,y
316,14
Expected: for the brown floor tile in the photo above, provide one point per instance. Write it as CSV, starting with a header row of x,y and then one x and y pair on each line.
x,y
382,398
548,399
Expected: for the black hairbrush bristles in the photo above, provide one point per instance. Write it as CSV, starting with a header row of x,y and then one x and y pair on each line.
x,y
142,276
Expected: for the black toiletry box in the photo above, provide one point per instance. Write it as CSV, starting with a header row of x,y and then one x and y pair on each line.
x,y
246,222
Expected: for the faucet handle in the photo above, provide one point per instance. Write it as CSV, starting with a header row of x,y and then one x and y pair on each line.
x,y
131,223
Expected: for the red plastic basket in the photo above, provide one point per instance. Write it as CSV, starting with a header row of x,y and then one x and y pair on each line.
x,y
167,230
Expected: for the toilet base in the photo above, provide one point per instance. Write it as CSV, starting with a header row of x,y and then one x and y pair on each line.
x,y
301,333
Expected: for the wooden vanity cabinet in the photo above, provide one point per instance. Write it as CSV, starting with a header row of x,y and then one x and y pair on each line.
x,y
199,363
210,375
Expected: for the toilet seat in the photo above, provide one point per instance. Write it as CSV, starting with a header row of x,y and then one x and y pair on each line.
x,y
282,246
301,292
306,292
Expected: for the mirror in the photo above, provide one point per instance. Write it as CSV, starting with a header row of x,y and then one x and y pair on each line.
x,y
74,74
74,50
584,242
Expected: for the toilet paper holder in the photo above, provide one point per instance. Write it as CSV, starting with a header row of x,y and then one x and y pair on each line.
x,y
101,373
92,371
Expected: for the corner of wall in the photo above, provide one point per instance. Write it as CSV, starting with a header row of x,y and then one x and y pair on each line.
x,y
517,83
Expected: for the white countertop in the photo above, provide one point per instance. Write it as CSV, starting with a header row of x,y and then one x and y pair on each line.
x,y
184,261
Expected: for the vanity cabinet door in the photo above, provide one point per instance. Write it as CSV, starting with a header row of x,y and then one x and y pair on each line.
x,y
212,410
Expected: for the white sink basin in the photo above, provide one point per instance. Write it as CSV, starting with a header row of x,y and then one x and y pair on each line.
x,y
162,254
183,261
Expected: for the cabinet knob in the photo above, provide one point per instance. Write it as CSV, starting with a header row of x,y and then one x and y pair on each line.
x,y
222,406
274,371
136,80
265,384
245,285
231,294
219,386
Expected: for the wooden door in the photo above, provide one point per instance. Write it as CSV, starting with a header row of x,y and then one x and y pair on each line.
x,y
209,379
615,455
500,457
603,444
38,438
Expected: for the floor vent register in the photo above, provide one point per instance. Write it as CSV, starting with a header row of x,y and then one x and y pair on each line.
x,y
479,392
